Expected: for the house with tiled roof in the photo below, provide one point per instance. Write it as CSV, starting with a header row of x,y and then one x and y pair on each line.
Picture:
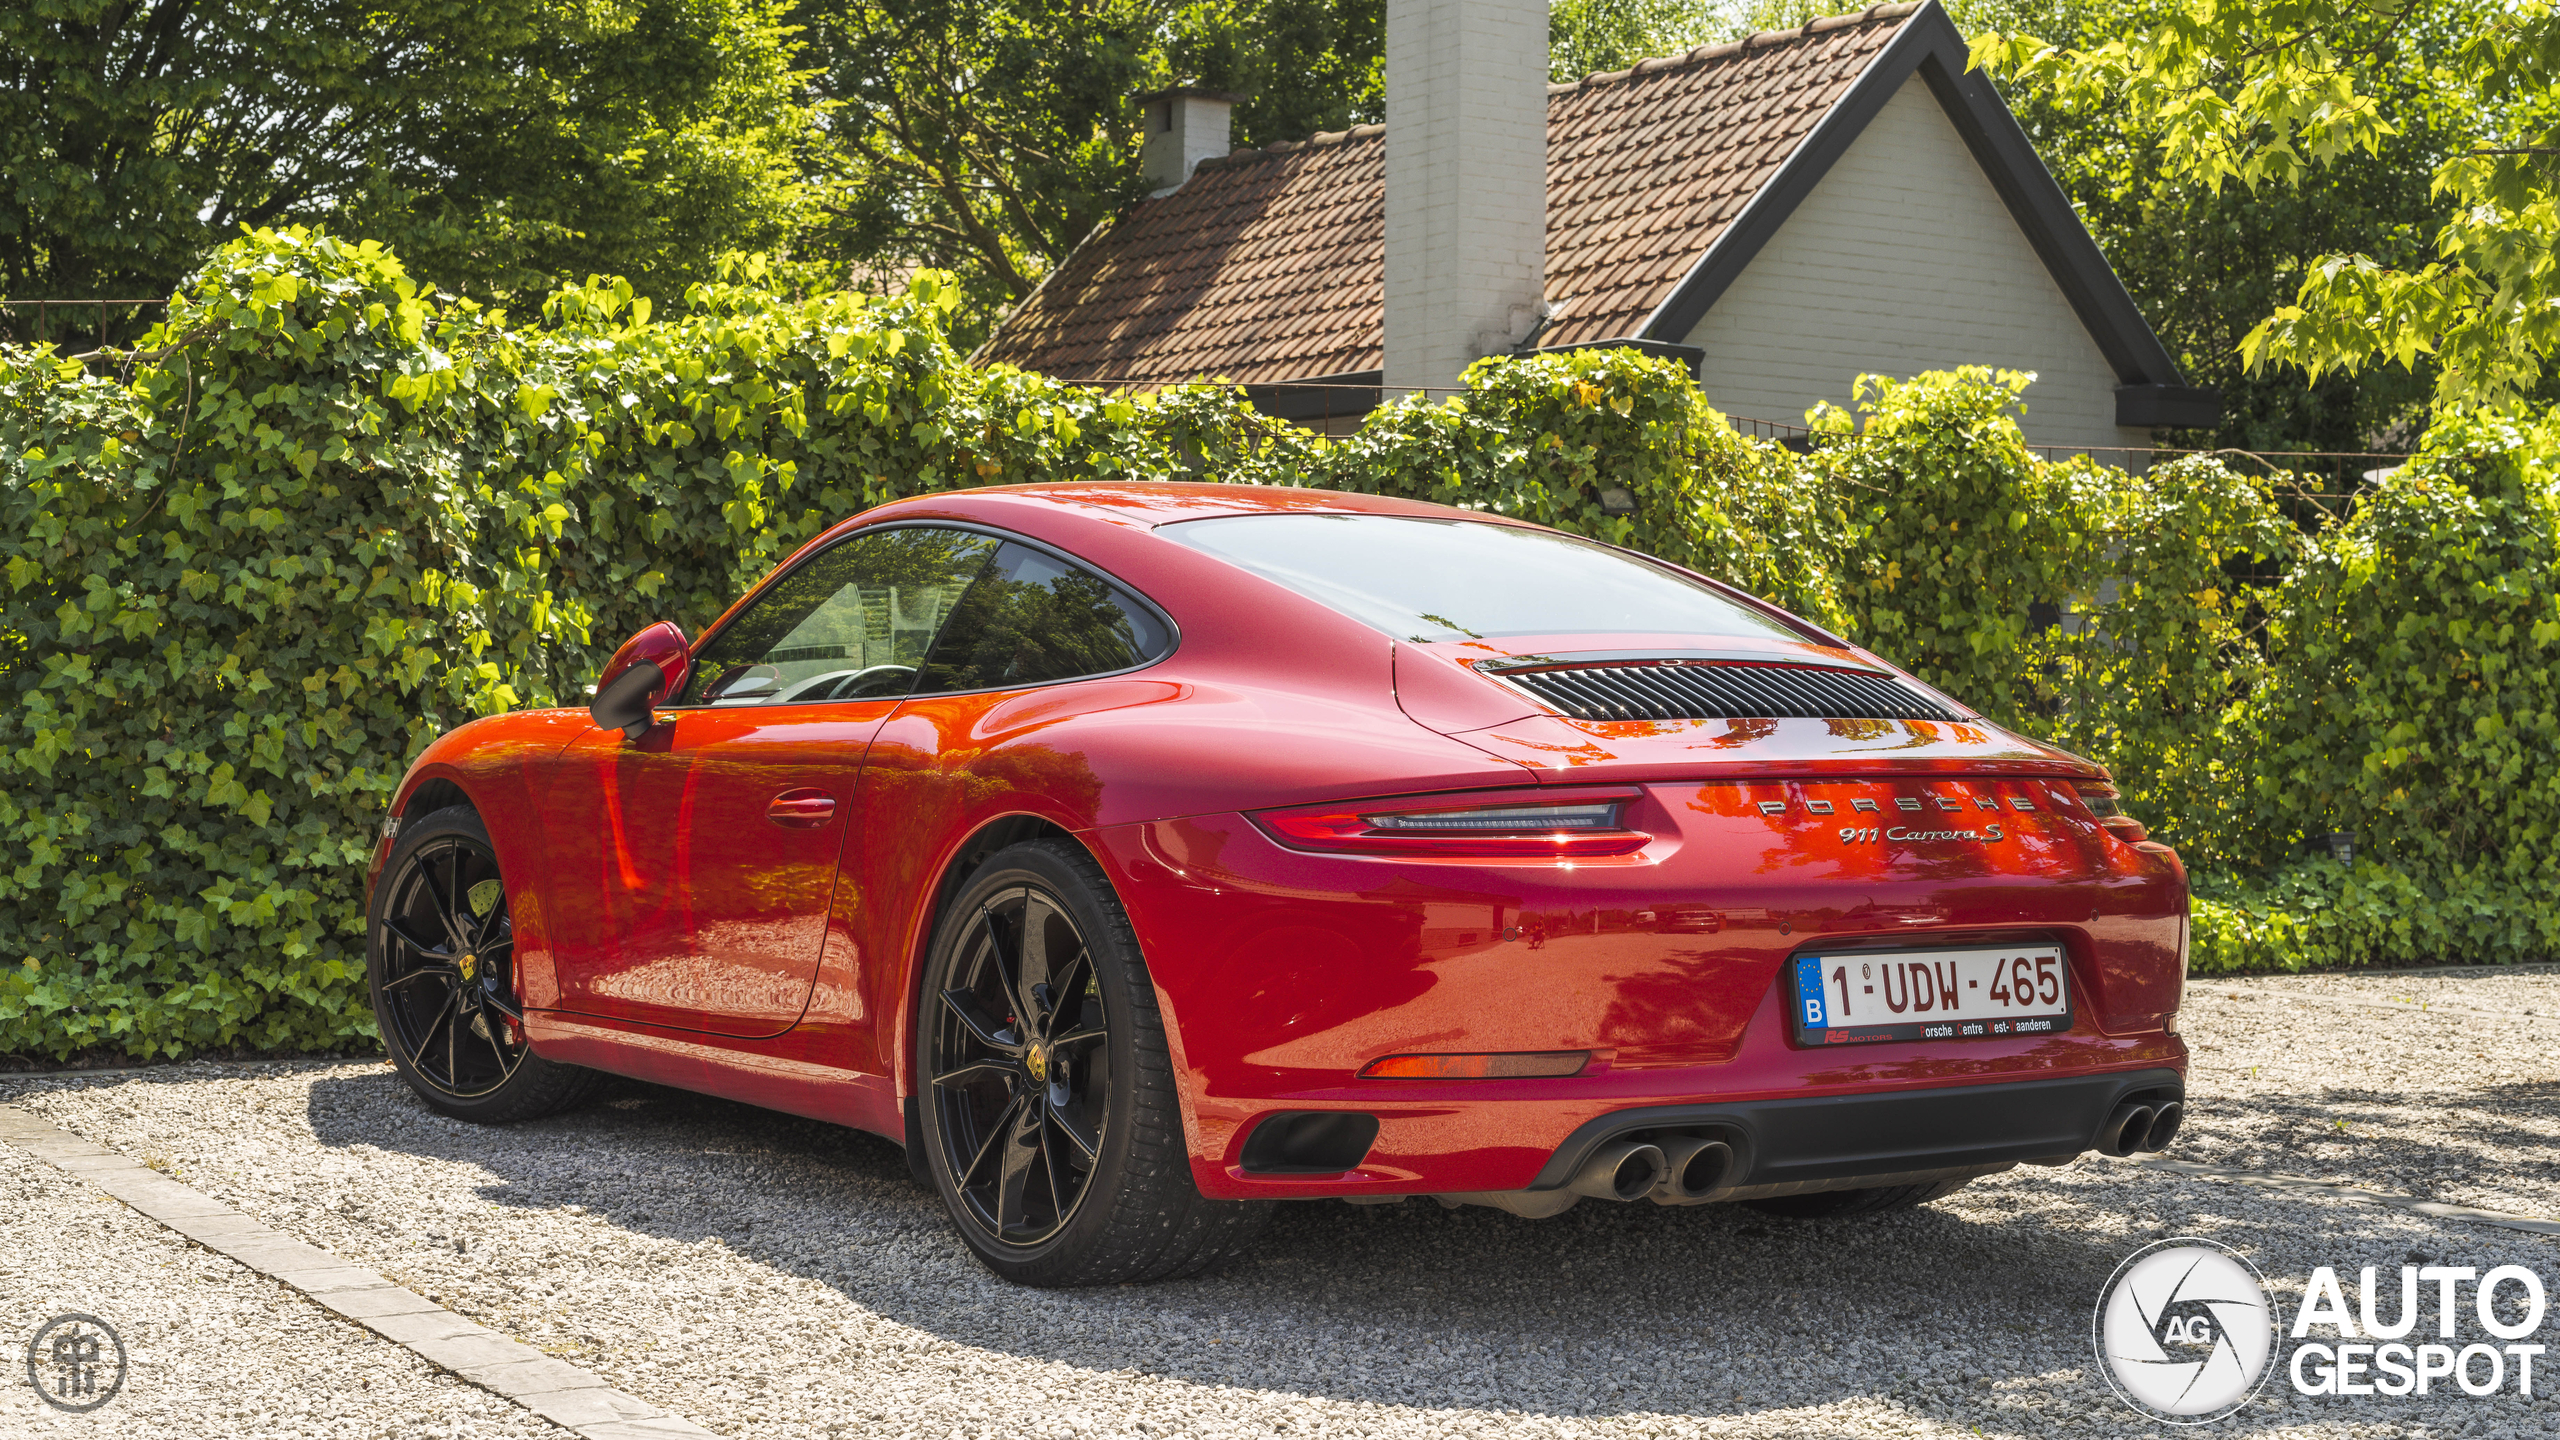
x,y
1781,213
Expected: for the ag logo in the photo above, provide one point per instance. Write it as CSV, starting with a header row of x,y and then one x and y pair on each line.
x,y
2184,1331
2188,1324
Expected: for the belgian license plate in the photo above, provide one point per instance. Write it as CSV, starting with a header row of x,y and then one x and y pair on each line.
x,y
1857,997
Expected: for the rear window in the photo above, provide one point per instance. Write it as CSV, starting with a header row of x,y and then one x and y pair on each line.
x,y
1421,579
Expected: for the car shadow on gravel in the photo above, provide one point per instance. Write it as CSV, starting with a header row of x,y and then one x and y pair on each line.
x,y
2405,1142
1608,1309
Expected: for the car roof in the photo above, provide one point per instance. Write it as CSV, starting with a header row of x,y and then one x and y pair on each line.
x,y
1057,511
1150,503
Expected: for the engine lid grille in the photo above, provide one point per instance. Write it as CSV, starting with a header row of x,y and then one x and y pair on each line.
x,y
1685,690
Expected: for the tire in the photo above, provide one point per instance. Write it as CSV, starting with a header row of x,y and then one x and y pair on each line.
x,y
1047,1110
439,964
1844,1204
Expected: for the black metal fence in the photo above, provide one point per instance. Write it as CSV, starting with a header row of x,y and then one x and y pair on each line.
x,y
2312,487
78,326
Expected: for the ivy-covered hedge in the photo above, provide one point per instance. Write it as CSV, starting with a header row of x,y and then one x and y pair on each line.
x,y
323,516
326,516
2410,706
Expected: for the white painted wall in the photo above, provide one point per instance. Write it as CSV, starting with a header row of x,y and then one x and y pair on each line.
x,y
1904,259
1466,202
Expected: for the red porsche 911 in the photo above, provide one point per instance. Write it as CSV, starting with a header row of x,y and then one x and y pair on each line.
x,y
1138,855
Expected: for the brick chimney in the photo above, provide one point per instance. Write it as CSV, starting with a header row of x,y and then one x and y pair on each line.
x,y
1466,183
1184,125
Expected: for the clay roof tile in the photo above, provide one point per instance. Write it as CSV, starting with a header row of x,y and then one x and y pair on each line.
x,y
1267,264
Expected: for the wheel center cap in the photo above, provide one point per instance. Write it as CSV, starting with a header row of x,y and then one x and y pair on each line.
x,y
470,966
1038,1059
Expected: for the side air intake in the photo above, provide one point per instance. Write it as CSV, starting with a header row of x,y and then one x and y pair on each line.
x,y
1688,690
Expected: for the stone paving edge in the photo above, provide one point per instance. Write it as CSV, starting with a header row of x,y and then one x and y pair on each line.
x,y
2303,1185
574,1399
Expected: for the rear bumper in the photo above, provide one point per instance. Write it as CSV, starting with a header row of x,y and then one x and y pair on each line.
x,y
1811,1143
1798,1119
1281,974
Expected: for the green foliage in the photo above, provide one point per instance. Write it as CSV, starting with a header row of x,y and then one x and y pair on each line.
x,y
1587,37
2322,912
1956,532
988,137
1302,66
342,516
2267,94
2207,264
2145,681
2086,606
2401,691
496,144
2412,704
331,514
2415,702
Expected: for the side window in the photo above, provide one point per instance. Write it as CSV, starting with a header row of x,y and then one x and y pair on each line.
x,y
1033,617
854,623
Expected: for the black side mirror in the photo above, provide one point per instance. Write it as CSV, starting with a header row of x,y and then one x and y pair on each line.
x,y
622,703
651,666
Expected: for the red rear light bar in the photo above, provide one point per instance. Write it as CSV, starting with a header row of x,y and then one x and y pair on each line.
x,y
1561,824
1513,1066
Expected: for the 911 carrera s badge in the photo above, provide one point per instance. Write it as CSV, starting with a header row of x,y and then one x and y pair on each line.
x,y
1859,834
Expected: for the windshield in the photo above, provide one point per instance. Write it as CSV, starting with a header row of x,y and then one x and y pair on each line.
x,y
1422,579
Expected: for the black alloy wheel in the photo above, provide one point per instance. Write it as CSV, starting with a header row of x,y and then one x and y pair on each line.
x,y
440,963
448,969
1046,1110
1019,1059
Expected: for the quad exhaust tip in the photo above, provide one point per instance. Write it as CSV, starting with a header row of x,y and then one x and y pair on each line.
x,y
2164,1126
1627,1170
1693,1169
2138,1128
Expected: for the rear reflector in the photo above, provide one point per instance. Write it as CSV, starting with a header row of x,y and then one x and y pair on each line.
x,y
1557,825
1477,1067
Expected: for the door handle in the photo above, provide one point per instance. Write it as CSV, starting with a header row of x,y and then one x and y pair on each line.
x,y
801,809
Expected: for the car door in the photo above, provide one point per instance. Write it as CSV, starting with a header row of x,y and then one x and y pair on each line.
x,y
692,869
972,739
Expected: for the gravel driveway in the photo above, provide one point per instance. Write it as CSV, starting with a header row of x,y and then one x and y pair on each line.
x,y
764,1275
212,1349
